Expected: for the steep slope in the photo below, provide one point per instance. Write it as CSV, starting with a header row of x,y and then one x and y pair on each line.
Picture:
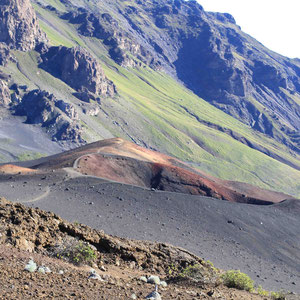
x,y
147,105
208,52
77,68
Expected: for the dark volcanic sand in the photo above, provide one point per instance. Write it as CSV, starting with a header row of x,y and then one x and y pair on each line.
x,y
262,241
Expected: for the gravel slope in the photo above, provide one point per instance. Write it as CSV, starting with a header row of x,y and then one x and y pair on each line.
x,y
262,241
17,138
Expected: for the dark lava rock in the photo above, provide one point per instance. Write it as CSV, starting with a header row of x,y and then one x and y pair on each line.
x,y
208,52
4,54
19,27
116,37
77,68
60,118
4,93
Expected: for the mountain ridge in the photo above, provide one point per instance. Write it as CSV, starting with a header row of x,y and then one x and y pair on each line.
x,y
147,103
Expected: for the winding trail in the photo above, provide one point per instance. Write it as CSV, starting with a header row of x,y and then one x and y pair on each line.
x,y
40,197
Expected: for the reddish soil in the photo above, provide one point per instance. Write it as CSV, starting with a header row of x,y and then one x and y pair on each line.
x,y
124,162
12,169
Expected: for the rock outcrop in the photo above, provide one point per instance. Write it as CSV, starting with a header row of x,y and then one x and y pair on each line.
x,y
4,93
119,42
44,230
60,118
208,52
4,54
19,27
81,71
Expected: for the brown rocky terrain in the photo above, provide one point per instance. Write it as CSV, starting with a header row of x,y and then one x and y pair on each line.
x,y
260,240
128,190
12,169
33,233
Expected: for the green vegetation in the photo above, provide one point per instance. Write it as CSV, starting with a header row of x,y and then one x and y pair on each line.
x,y
168,116
232,278
241,281
29,155
54,38
161,100
58,32
74,251
83,254
204,273
195,272
262,292
238,280
281,295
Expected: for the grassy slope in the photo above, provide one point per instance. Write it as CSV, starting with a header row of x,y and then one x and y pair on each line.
x,y
176,131
156,101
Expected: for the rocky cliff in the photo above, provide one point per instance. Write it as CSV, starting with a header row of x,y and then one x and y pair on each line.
x,y
208,52
80,70
119,42
58,117
19,27
141,45
4,54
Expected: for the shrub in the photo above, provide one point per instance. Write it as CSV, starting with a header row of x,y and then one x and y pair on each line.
x,y
278,295
74,251
172,270
83,253
238,280
192,271
262,292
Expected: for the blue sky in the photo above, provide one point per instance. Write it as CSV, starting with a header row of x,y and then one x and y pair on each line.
x,y
274,23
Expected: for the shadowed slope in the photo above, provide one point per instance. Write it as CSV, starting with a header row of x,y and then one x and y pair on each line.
x,y
124,162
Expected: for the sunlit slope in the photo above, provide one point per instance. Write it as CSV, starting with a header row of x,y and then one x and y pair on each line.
x,y
169,127
153,109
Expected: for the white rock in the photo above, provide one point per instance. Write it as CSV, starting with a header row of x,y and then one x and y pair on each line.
x,y
31,266
154,295
102,268
41,270
153,279
163,284
94,275
143,278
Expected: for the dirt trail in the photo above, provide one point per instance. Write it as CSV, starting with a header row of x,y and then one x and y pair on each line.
x,y
38,198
